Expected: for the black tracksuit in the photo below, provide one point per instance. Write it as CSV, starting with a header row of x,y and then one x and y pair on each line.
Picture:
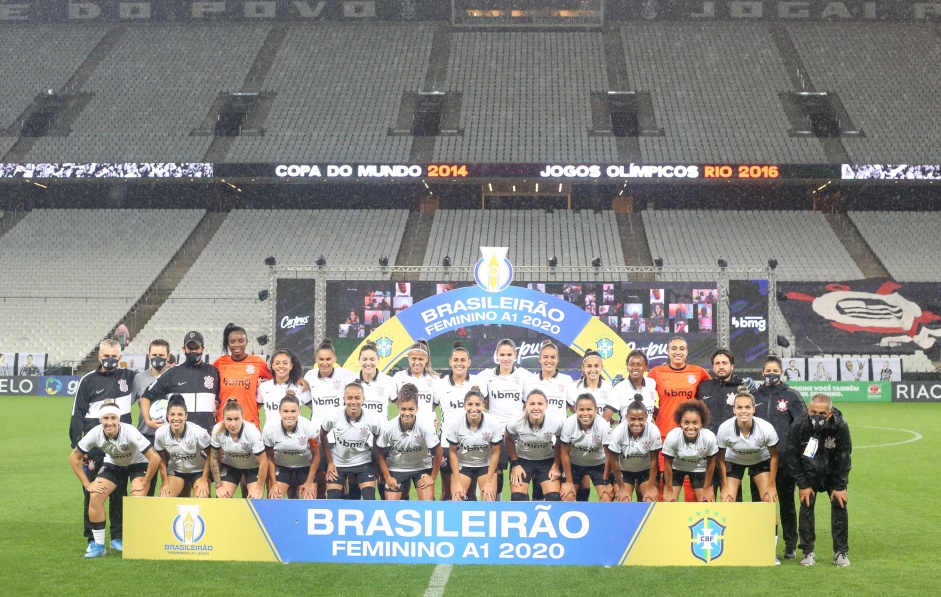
x,y
94,388
827,470
781,405
199,386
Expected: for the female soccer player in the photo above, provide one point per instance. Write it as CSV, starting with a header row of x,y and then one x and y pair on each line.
x,y
240,373
242,454
350,454
182,446
582,453
409,450
449,392
554,385
286,368
633,451
422,376
591,381
327,382
747,442
293,451
505,384
624,394
689,451
473,445
128,456
378,388
533,448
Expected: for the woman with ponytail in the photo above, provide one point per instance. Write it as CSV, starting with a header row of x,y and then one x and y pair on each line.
x,y
240,373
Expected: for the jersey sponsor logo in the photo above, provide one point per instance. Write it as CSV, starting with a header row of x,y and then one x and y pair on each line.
x,y
505,395
250,369
782,405
685,394
208,382
349,444
384,347
98,392
605,348
188,528
707,539
493,272
122,385
322,401
180,383
377,406
242,383
829,443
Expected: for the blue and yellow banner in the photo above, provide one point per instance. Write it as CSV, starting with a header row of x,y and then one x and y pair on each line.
x,y
543,533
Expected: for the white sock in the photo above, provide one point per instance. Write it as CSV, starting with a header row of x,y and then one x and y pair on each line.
x,y
99,536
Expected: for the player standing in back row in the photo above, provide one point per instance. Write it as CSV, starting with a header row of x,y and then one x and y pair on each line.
x,y
677,382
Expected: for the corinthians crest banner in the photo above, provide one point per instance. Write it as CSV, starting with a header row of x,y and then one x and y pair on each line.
x,y
541,533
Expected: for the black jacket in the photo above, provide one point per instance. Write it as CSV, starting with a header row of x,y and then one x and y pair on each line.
x,y
94,388
780,405
719,396
198,384
830,468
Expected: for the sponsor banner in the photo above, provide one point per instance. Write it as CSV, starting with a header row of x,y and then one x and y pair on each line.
x,y
542,533
116,170
845,391
43,385
874,316
748,322
294,316
916,391
784,10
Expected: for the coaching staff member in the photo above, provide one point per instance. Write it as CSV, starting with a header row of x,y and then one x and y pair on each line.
x,y
820,457
107,382
195,380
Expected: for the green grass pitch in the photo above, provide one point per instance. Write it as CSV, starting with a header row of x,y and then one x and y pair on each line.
x,y
895,538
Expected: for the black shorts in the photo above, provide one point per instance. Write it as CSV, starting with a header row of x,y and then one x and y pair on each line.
x,y
230,474
504,459
474,471
596,473
120,475
292,475
636,479
188,478
404,477
537,471
696,480
737,471
322,467
361,473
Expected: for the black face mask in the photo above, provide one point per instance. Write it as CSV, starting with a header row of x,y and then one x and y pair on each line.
x,y
109,363
193,357
158,363
772,379
817,422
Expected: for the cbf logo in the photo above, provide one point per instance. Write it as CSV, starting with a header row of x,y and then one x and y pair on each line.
x,y
383,347
605,348
188,527
493,272
53,386
707,538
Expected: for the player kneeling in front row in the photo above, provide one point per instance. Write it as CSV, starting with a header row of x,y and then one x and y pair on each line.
x,y
821,449
633,451
292,446
582,454
533,446
409,449
182,447
243,454
689,451
128,457
474,451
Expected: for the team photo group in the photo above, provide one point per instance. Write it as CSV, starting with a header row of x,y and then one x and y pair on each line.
x,y
256,428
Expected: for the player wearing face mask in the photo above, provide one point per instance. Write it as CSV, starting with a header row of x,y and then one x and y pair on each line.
x,y
195,380
781,405
107,382
157,354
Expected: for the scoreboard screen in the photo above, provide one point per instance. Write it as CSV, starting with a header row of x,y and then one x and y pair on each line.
x,y
528,13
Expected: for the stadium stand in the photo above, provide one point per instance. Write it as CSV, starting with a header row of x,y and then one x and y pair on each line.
x,y
337,97
71,274
748,238
911,256
711,100
879,73
575,238
146,101
231,271
526,98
